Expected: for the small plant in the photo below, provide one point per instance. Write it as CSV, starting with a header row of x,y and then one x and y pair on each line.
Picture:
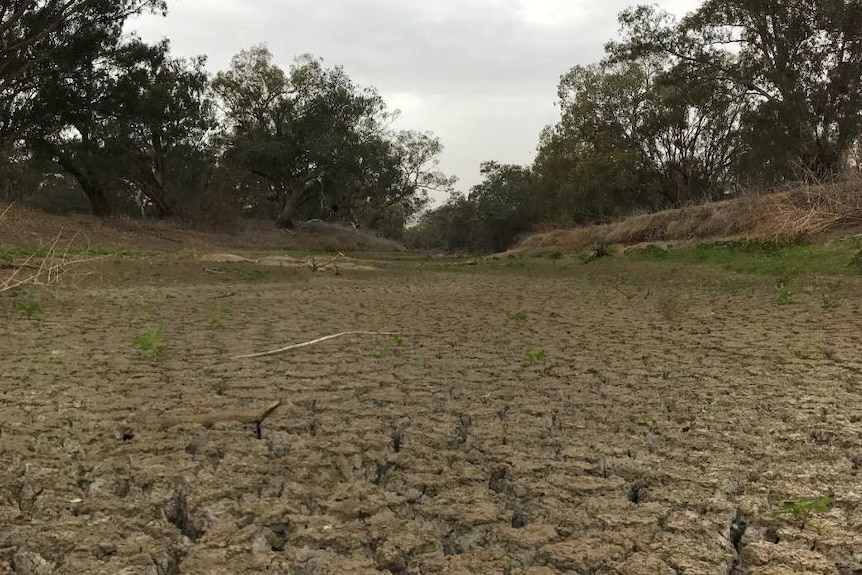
x,y
462,431
644,421
382,353
385,352
800,509
152,343
535,355
783,293
520,317
219,315
29,308
830,301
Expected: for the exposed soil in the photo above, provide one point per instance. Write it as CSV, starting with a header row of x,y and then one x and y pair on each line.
x,y
672,410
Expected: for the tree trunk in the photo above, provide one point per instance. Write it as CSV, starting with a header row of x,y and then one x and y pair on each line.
x,y
288,210
156,194
89,184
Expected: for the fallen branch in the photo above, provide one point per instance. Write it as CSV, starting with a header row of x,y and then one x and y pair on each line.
x,y
312,342
312,263
206,419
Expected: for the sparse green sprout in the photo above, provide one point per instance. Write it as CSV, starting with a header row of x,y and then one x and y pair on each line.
x,y
382,353
29,308
152,343
783,293
830,301
800,509
219,315
644,421
535,355
397,339
521,316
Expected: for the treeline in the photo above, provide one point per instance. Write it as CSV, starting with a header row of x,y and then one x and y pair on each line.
x,y
132,130
738,94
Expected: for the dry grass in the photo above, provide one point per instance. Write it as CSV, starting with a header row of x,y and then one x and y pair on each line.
x,y
30,228
805,211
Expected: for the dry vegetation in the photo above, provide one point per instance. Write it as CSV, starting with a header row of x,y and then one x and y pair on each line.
x,y
28,227
806,211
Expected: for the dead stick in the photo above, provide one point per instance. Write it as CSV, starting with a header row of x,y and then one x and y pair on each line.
x,y
312,342
207,419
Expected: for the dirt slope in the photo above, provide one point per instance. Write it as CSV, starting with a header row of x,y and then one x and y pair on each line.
x,y
27,227
812,211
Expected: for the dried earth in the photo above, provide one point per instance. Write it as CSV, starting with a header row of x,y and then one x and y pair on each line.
x,y
620,418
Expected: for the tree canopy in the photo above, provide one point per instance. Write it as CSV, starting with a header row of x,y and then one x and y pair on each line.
x,y
736,94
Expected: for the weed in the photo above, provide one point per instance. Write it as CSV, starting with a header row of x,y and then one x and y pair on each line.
x,y
462,431
535,355
644,421
521,316
800,509
219,315
152,343
29,308
830,301
782,258
385,352
783,293
397,435
237,273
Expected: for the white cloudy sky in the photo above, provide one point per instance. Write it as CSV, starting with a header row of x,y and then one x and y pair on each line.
x,y
481,74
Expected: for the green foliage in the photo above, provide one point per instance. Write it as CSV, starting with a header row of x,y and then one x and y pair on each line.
x,y
784,258
831,301
397,341
29,308
800,109
520,316
644,421
313,133
783,293
800,509
152,344
496,211
535,355
219,315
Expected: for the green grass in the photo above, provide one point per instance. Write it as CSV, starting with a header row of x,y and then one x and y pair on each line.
x,y
779,258
219,315
239,274
9,253
831,301
29,308
535,355
520,316
152,343
783,293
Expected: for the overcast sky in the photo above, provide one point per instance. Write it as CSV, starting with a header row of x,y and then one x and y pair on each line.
x,y
481,74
